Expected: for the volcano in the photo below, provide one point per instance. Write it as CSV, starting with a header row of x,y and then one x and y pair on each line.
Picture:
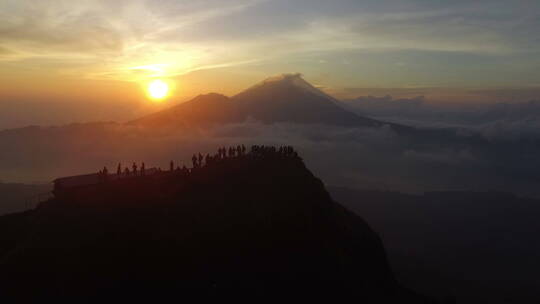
x,y
283,98
289,98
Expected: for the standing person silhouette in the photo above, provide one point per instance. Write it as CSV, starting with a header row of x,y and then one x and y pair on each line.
x,y
134,166
194,160
200,159
171,166
119,169
143,169
105,173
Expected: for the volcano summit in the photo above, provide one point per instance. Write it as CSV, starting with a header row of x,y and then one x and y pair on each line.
x,y
284,98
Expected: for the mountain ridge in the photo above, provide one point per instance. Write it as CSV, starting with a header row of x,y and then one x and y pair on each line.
x,y
246,225
284,98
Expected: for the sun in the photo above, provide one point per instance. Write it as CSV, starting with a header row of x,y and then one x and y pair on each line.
x,y
158,89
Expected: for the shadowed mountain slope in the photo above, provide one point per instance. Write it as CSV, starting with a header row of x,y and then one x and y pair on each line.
x,y
203,110
18,197
241,226
289,98
480,247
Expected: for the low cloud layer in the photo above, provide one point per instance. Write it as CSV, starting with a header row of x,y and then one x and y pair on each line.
x,y
497,121
372,158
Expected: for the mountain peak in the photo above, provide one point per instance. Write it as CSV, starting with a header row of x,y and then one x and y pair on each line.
x,y
289,98
211,96
288,77
280,98
291,80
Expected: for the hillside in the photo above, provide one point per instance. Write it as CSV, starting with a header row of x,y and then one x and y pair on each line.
x,y
254,224
203,110
16,197
289,98
479,247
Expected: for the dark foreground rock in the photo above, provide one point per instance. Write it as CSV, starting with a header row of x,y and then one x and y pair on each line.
x,y
243,227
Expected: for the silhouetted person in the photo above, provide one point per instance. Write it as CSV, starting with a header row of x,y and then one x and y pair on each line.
x,y
207,159
134,166
171,166
238,150
194,160
103,174
119,169
143,169
126,171
200,158
243,149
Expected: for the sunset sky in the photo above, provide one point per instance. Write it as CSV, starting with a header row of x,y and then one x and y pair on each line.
x,y
75,53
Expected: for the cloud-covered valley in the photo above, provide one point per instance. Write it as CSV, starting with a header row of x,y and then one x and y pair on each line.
x,y
510,121
363,158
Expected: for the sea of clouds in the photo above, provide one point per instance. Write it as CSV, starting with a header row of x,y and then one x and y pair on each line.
x,y
362,158
498,121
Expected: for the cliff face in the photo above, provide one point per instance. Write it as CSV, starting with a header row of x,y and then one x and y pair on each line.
x,y
240,226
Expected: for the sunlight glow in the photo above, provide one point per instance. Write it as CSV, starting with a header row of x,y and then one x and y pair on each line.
x,y
158,89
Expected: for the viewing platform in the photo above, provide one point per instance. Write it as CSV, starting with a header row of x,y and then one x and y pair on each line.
x,y
224,160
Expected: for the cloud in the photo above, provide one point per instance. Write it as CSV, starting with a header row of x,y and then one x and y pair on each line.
x,y
42,30
191,35
458,157
386,105
5,51
369,158
511,122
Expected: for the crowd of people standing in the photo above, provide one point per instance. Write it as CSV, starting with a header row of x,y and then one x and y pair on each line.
x,y
199,160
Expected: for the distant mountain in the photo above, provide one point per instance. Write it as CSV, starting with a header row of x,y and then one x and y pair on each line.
x,y
255,225
289,98
203,110
285,98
